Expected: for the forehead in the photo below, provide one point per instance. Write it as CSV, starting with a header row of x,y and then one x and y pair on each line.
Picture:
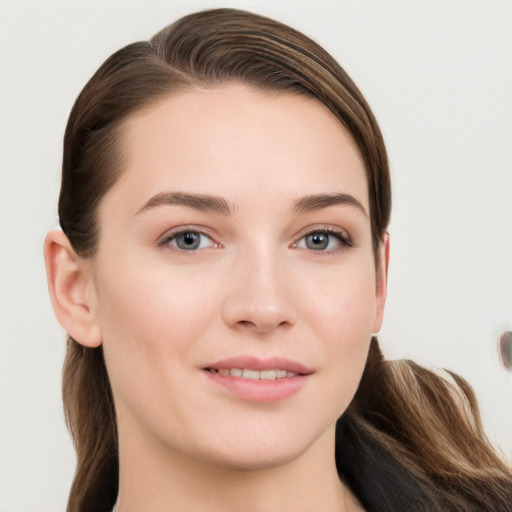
x,y
234,139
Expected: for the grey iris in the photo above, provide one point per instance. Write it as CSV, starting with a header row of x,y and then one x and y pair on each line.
x,y
317,241
188,241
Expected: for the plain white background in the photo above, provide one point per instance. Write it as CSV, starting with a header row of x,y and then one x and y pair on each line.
x,y
438,75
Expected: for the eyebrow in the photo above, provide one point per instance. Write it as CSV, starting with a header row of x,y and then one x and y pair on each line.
x,y
201,202
316,202
216,204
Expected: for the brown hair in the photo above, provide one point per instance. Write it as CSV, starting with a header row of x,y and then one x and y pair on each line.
x,y
410,439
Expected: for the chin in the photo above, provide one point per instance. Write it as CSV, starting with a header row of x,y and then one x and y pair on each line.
x,y
257,460
269,451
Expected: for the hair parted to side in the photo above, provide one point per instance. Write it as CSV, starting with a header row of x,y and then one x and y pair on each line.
x,y
410,440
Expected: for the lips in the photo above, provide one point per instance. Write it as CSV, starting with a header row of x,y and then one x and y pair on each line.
x,y
258,364
261,380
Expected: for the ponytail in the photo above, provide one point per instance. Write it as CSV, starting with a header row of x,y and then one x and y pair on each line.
x,y
90,417
413,440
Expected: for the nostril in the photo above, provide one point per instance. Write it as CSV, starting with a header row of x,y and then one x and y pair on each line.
x,y
258,311
261,325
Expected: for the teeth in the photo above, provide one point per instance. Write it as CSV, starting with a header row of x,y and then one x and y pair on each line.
x,y
251,374
255,374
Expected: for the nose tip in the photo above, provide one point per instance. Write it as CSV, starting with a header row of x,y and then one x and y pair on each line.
x,y
260,307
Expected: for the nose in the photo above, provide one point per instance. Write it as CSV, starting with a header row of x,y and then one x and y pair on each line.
x,y
260,296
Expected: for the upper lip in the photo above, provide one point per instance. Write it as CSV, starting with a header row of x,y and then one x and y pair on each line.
x,y
257,363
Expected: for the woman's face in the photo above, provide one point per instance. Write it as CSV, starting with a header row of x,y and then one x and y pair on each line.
x,y
234,284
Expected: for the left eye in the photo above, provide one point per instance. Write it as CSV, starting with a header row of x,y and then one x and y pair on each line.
x,y
188,241
323,241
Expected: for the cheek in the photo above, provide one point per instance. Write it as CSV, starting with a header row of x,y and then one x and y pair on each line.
x,y
152,324
342,317
343,305
150,320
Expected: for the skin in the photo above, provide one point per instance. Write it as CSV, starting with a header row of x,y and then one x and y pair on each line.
x,y
255,286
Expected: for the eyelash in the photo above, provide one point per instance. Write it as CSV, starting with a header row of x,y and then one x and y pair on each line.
x,y
344,240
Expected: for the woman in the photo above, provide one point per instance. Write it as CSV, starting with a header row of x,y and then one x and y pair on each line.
x,y
221,271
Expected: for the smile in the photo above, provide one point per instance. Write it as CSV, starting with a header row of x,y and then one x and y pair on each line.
x,y
254,374
252,379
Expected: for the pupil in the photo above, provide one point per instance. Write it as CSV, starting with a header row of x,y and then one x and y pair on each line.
x,y
317,241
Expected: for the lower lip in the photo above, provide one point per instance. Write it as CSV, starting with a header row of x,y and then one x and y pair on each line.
x,y
259,390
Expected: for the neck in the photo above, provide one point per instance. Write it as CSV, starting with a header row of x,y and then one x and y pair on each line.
x,y
154,482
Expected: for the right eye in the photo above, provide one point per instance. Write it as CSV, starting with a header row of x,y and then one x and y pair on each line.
x,y
187,240
326,240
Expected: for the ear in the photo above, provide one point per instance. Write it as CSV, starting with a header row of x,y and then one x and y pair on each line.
x,y
71,289
382,283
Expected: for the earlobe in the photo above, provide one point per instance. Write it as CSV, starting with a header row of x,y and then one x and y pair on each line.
x,y
71,289
382,283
